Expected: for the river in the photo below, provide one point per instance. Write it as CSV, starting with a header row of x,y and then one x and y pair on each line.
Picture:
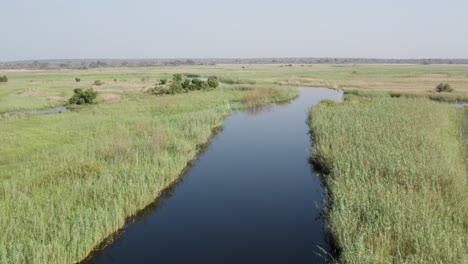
x,y
250,197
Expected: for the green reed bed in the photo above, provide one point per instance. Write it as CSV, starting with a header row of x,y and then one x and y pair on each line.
x,y
68,181
396,179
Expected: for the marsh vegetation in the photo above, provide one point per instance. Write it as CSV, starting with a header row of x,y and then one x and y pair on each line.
x,y
396,179
393,157
70,180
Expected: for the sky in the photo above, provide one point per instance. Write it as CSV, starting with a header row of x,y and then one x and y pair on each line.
x,y
137,29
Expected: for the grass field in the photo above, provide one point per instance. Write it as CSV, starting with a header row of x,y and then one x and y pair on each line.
x,y
396,178
40,89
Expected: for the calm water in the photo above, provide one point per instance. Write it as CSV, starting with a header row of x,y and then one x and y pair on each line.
x,y
250,197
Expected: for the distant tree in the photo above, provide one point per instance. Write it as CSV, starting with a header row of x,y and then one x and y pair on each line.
x,y
77,79
81,96
98,83
3,78
444,87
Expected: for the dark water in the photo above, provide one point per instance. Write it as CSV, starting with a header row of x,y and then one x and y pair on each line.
x,y
251,197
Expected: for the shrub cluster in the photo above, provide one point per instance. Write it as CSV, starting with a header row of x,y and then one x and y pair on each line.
x,y
98,83
77,80
181,85
444,87
3,78
81,96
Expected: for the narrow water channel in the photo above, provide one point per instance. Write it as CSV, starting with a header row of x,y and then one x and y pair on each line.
x,y
250,197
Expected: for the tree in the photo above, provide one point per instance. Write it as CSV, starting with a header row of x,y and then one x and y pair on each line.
x,y
77,80
81,96
3,78
163,81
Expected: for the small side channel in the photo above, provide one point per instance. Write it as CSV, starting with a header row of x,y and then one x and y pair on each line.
x,y
250,197
48,111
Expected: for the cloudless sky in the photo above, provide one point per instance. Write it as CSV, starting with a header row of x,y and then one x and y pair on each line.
x,y
67,29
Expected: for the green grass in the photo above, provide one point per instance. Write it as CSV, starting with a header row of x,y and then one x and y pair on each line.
x,y
435,96
68,181
10,103
56,86
396,179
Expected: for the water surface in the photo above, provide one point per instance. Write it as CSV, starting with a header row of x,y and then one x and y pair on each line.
x,y
250,197
48,111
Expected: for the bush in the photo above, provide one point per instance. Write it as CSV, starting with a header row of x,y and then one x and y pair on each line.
x,y
3,78
213,82
177,78
198,84
98,83
175,88
159,90
186,84
180,84
77,80
83,97
444,87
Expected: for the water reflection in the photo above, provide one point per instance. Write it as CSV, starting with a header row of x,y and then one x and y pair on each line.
x,y
258,109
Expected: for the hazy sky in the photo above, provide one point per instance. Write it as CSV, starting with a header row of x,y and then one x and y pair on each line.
x,y
55,29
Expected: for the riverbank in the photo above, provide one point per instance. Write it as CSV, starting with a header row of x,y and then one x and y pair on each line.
x,y
396,179
68,181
